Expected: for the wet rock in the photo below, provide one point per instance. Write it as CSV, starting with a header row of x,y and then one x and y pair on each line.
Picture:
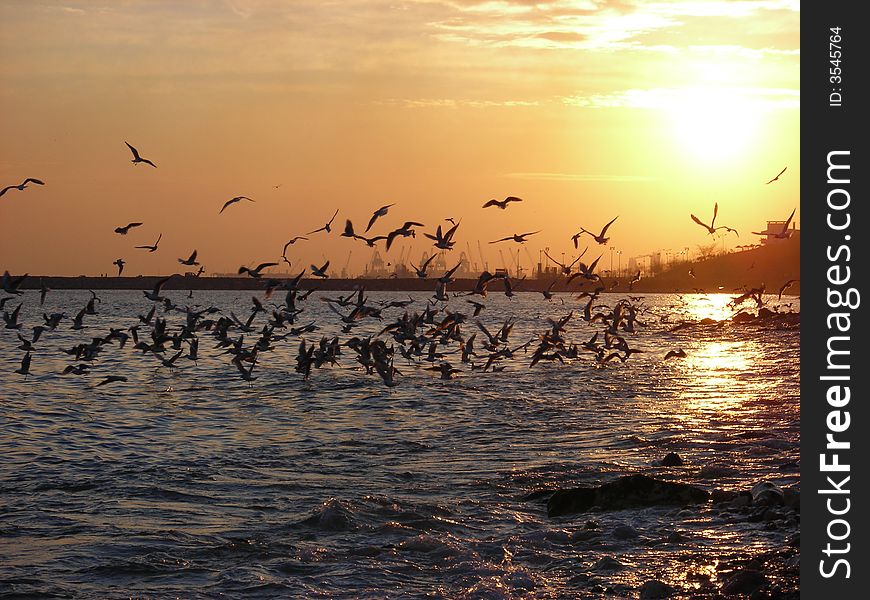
x,y
791,496
731,498
607,563
745,581
655,589
715,471
765,493
625,532
675,537
630,491
672,459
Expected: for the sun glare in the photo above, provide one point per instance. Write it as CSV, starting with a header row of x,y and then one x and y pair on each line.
x,y
714,124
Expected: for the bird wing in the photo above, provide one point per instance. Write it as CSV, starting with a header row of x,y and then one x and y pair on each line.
x,y
492,202
159,285
698,221
6,189
333,217
227,203
33,180
556,261
133,150
788,221
502,240
604,230
148,162
262,266
192,257
316,230
513,199
372,221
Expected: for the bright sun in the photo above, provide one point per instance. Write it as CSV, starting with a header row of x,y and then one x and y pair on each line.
x,y
713,124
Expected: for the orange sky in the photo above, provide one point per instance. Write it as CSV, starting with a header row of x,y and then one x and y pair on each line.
x,y
587,110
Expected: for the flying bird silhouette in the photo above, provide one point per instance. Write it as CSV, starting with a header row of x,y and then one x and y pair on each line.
x,y
154,247
711,228
191,261
777,176
328,227
138,159
126,228
232,201
502,204
382,211
320,271
120,264
255,272
21,186
598,238
519,238
783,233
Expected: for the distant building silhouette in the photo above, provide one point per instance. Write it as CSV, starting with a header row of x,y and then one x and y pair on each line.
x,y
773,228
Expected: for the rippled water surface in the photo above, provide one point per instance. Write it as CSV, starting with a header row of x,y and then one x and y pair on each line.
x,y
191,482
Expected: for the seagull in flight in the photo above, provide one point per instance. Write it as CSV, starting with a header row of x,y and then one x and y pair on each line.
x,y
21,185
711,228
111,379
678,353
566,269
154,247
777,176
782,234
25,366
126,228
233,201
191,261
320,271
406,230
255,272
519,238
503,204
154,294
138,159
120,264
598,238
421,271
381,212
328,227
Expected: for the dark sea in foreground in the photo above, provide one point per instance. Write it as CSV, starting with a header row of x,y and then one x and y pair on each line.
x,y
192,483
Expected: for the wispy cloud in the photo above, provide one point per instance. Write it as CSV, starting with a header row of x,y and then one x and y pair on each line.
x,y
580,177
669,98
454,103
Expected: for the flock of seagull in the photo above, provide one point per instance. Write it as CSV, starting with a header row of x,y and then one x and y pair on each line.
x,y
430,337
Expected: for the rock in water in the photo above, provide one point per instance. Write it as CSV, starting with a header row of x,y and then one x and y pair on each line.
x,y
744,582
655,589
765,493
630,491
672,459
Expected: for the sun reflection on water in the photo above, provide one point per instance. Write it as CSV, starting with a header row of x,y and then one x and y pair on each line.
x,y
709,306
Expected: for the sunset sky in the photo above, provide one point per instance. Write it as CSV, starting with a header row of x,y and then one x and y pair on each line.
x,y
586,109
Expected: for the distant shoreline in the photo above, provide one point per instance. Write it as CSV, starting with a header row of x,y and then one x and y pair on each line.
x,y
769,266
